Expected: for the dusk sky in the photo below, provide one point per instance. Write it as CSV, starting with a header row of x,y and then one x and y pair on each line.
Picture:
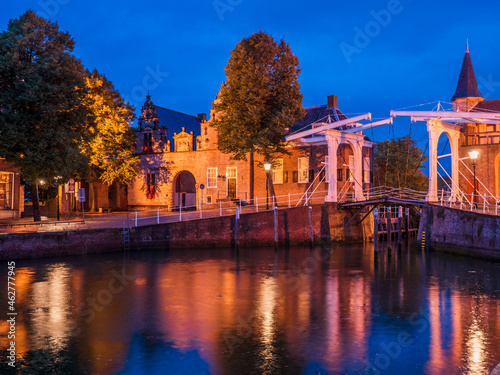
x,y
410,52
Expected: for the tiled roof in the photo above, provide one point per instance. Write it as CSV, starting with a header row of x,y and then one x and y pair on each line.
x,y
467,85
488,106
320,113
175,121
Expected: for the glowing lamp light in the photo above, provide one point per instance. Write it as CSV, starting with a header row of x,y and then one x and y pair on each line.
x,y
267,166
473,155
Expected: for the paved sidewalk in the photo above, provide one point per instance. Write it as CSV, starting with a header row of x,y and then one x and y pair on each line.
x,y
74,222
114,220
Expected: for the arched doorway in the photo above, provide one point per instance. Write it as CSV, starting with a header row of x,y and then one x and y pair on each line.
x,y
345,172
185,191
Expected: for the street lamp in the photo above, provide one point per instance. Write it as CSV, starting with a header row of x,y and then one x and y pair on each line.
x,y
267,167
473,157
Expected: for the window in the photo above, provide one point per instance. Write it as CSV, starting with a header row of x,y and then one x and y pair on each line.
x,y
211,177
150,186
303,170
278,171
366,170
148,143
339,174
209,199
350,170
231,172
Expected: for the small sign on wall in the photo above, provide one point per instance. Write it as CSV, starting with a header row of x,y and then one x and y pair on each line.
x,y
71,186
81,195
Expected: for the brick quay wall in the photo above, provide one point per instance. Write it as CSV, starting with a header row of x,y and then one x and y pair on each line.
x,y
254,229
461,232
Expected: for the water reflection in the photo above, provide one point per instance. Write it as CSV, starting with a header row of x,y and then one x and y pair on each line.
x,y
294,311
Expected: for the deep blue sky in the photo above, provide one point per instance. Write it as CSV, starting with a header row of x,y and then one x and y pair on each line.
x,y
412,58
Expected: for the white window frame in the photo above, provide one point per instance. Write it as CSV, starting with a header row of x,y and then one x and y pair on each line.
x,y
214,177
303,173
278,171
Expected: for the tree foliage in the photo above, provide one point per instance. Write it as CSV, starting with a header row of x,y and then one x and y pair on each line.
x,y
260,98
112,141
398,163
42,89
57,120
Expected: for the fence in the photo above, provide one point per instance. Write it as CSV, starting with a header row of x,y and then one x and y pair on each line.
x,y
221,208
483,203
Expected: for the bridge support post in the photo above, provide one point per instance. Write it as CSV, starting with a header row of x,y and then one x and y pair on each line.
x,y
435,128
358,171
333,144
375,229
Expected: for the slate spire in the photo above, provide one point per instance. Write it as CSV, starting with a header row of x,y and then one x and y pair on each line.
x,y
467,85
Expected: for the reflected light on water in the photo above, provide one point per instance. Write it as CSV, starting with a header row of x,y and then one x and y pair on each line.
x,y
50,317
476,350
261,314
267,305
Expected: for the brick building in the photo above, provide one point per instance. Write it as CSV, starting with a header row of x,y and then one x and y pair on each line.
x,y
481,137
11,192
178,153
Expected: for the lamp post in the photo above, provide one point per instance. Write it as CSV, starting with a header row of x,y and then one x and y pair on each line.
x,y
473,157
267,167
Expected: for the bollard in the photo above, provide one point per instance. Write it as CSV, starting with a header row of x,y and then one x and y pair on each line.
x,y
157,216
289,201
256,204
220,208
201,210
135,218
180,213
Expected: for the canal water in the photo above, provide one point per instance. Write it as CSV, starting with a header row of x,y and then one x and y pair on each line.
x,y
259,311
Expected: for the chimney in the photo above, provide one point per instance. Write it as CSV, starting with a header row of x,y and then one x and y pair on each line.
x,y
332,101
202,117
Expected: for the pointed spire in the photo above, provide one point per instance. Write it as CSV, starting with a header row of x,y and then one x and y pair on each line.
x,y
467,84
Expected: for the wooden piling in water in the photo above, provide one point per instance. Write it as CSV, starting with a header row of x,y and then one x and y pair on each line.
x,y
311,239
237,227
389,223
275,227
400,226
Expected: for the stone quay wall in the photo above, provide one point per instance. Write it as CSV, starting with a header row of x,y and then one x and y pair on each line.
x,y
254,229
461,232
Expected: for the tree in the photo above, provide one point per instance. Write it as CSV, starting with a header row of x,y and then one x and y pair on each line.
x,y
43,116
398,163
259,99
112,142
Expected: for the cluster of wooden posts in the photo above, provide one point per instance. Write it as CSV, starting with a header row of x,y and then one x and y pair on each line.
x,y
390,222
